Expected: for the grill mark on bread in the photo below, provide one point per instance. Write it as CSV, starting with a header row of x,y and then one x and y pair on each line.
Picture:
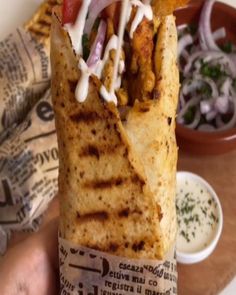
x,y
38,32
136,179
99,216
126,212
138,246
86,117
113,181
92,150
44,23
104,184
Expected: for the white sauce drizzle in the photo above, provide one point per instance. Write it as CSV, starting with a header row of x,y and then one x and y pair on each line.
x,y
108,96
83,83
121,67
82,87
143,10
112,44
121,31
76,30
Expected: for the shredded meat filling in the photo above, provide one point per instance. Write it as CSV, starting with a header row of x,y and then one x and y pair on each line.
x,y
139,79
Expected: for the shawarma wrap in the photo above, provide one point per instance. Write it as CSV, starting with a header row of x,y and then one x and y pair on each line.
x,y
118,159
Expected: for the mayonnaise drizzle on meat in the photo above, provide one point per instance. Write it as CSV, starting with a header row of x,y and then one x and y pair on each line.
x,y
83,84
121,32
76,32
108,96
143,10
82,87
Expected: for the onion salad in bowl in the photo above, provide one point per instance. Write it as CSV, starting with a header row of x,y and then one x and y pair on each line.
x,y
207,64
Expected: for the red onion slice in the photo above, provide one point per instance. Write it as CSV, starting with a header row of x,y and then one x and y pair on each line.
x,y
219,122
232,91
232,122
182,27
182,101
211,83
232,57
225,88
196,120
222,104
211,115
185,41
205,34
191,85
185,54
206,128
206,106
192,58
219,34
95,8
192,102
97,48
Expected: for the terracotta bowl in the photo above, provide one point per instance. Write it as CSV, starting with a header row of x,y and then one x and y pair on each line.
x,y
208,143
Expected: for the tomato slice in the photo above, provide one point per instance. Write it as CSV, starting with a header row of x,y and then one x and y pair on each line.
x,y
70,11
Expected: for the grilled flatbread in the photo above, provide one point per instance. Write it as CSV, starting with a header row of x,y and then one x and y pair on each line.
x,y
117,178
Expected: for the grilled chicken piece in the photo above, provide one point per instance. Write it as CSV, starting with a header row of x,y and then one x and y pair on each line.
x,y
141,77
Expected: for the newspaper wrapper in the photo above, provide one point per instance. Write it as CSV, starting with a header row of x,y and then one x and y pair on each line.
x,y
24,75
84,271
28,169
28,144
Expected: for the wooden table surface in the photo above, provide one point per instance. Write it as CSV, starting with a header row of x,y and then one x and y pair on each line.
x,y
213,274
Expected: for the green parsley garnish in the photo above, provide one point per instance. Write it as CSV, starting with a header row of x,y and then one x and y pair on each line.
x,y
192,29
212,71
205,91
227,47
185,235
189,115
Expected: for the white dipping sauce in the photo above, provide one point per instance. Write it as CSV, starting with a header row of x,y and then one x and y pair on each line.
x,y
197,215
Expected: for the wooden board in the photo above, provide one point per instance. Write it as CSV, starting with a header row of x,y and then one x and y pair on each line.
x,y
213,274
